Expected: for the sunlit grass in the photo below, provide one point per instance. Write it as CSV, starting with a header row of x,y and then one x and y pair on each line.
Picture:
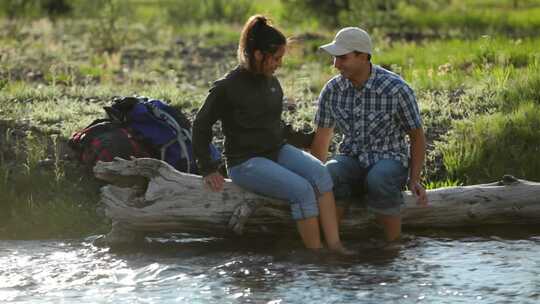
x,y
453,63
442,184
473,18
493,145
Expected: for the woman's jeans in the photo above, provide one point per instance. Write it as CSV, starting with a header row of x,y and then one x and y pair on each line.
x,y
296,177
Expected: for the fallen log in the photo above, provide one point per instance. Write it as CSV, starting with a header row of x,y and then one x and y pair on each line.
x,y
148,195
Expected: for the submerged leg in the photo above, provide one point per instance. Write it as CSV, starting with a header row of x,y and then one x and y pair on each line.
x,y
309,232
266,177
330,224
391,225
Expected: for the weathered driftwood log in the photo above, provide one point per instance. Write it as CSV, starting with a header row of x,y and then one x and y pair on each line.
x,y
148,195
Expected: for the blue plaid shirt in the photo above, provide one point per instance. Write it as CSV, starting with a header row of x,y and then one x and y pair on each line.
x,y
373,119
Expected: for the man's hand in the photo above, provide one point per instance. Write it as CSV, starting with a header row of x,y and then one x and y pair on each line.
x,y
419,192
214,181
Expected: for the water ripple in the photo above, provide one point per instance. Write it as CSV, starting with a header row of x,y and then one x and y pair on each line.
x,y
488,269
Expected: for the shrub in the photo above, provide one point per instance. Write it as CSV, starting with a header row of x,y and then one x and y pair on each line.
x,y
327,11
35,8
109,32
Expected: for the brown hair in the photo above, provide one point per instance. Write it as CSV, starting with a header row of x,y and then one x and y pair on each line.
x,y
258,34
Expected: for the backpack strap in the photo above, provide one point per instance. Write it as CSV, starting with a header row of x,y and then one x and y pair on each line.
x,y
182,135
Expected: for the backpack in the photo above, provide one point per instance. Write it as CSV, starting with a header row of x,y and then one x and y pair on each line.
x,y
160,130
102,140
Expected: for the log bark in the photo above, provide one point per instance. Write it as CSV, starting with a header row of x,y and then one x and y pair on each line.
x,y
147,195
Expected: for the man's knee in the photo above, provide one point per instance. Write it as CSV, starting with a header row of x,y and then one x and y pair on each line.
x,y
382,185
347,175
333,169
386,181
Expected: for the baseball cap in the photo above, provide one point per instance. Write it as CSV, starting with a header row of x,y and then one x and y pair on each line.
x,y
348,40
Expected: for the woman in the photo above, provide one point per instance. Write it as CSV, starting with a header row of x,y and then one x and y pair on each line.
x,y
248,101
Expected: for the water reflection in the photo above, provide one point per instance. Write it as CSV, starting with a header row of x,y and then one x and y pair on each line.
x,y
434,268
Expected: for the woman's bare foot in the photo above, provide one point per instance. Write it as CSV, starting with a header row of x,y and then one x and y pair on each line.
x,y
341,250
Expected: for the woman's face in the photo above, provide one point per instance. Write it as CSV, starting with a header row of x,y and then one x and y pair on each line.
x,y
271,62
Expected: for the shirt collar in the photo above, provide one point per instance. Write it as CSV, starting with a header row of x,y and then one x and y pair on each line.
x,y
369,83
343,83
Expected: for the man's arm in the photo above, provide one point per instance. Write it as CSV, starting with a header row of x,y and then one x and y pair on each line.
x,y
321,143
418,152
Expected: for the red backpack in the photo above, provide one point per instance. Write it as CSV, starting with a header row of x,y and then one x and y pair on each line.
x,y
104,140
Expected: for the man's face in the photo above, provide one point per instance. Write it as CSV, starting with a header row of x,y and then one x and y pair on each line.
x,y
351,64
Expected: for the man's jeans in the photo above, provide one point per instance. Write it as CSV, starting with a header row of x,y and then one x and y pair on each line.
x,y
382,182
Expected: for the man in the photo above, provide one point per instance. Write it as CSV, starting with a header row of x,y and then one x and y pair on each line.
x,y
376,111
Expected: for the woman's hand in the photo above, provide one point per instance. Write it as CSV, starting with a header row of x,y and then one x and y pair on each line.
x,y
214,181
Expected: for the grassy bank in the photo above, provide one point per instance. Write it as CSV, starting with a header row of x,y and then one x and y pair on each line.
x,y
43,197
478,89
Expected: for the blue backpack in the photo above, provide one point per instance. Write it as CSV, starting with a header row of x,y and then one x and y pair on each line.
x,y
160,126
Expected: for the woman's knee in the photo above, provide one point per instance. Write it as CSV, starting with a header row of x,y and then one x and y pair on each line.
x,y
321,178
300,191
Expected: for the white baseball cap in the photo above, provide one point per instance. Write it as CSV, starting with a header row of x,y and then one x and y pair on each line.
x,y
348,40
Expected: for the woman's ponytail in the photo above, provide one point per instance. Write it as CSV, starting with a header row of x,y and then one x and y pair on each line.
x,y
258,34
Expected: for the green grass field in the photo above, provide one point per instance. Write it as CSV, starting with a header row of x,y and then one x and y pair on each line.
x,y
475,67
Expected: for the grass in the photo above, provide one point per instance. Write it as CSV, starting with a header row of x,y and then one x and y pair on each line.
x,y
442,184
43,201
29,212
494,145
479,94
447,64
472,18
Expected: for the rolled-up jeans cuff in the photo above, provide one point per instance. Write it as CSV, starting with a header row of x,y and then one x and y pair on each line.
x,y
303,211
325,184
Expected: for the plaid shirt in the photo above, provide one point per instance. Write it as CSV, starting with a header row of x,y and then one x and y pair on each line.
x,y
374,119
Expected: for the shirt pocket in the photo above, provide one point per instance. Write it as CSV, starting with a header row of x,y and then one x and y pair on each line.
x,y
379,125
